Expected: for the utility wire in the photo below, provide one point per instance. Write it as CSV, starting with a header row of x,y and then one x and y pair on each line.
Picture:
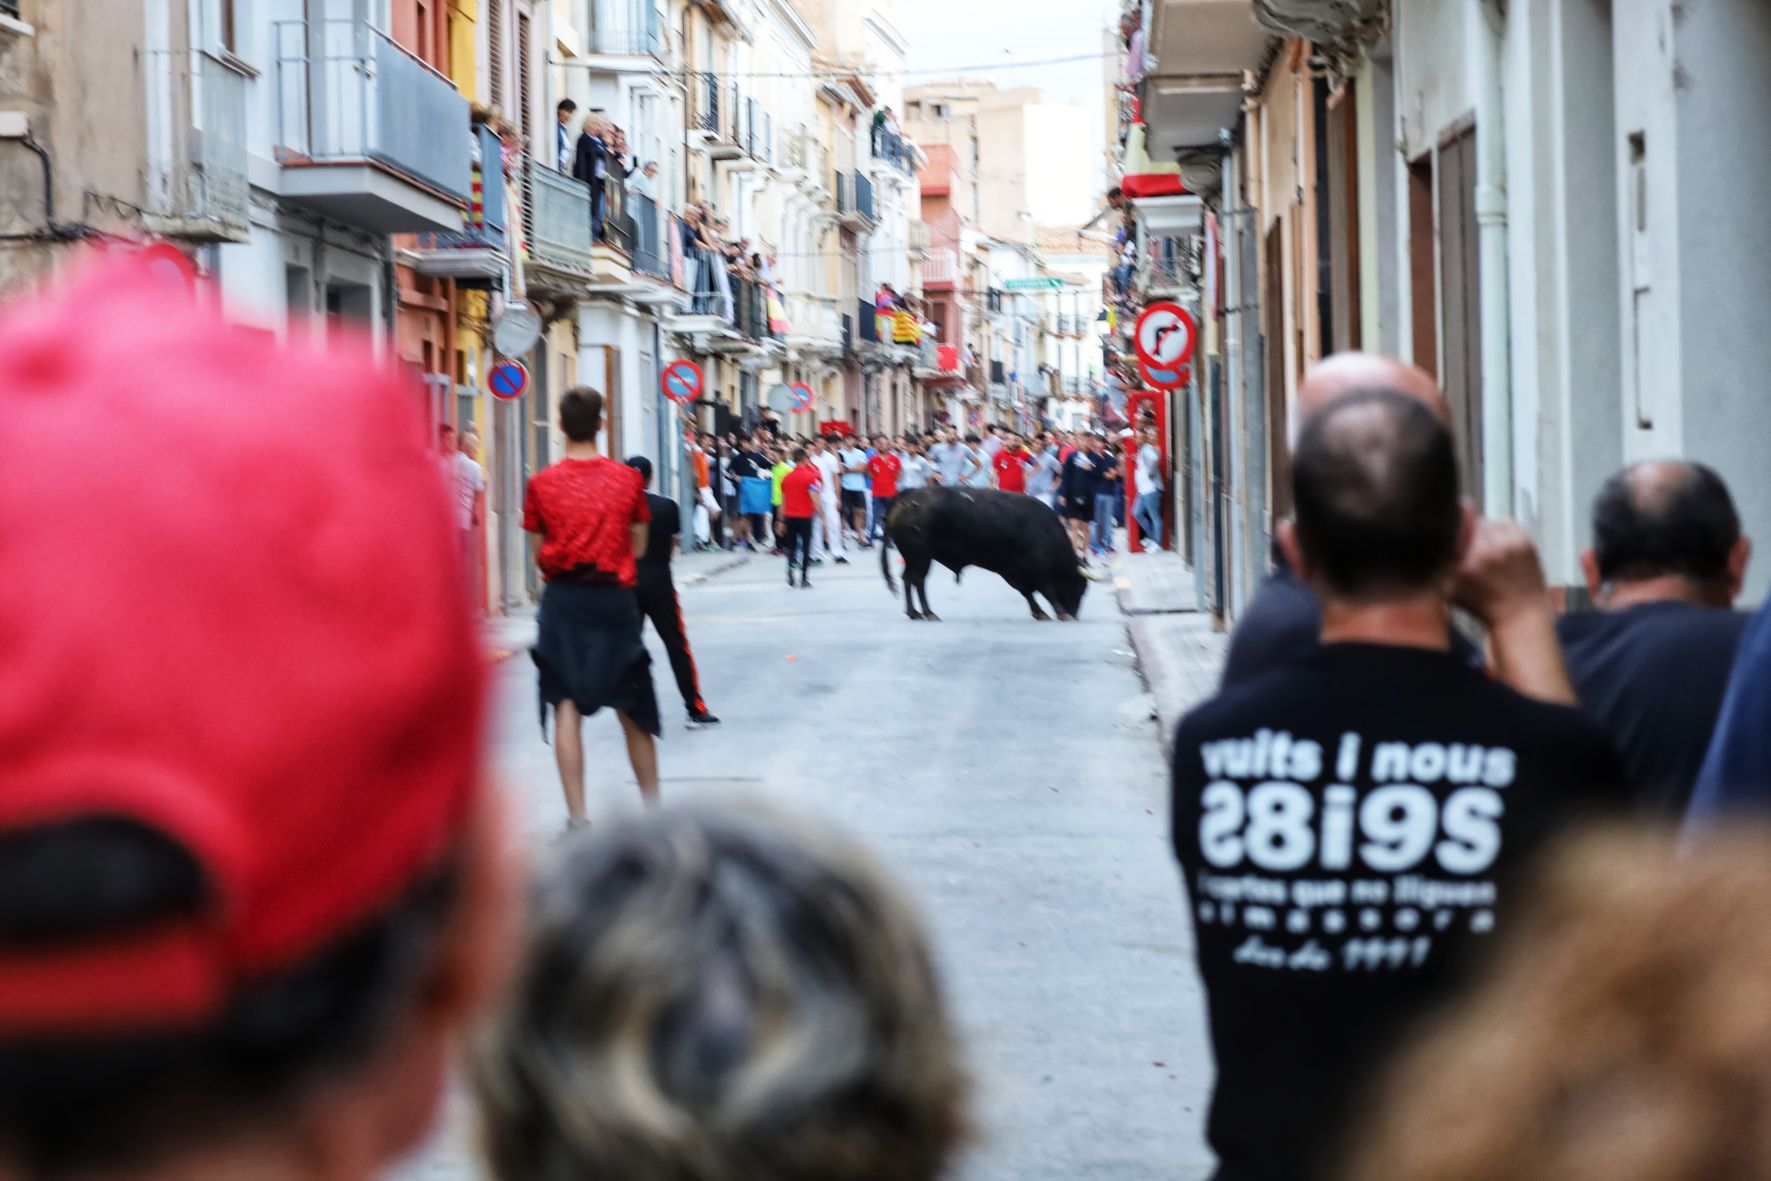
x,y
839,75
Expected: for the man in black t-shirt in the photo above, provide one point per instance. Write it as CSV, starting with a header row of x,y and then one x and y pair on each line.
x,y
657,595
1281,622
1350,824
1651,665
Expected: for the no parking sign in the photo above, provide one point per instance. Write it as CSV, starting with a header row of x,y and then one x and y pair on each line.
x,y
681,381
508,379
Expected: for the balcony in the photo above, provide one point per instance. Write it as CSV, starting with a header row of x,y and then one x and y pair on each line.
x,y
867,319
196,112
854,200
1166,264
726,124
651,254
805,154
477,250
918,241
1193,85
556,218
367,134
892,151
626,28
815,324
940,269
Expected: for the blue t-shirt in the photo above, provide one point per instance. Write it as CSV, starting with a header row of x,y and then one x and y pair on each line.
x,y
1736,774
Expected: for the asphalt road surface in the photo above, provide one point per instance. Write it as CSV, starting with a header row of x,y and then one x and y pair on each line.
x,y
1008,772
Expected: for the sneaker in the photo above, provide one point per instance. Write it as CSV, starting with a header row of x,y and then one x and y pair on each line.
x,y
841,561
699,718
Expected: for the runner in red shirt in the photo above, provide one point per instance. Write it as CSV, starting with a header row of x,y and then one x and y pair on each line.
x,y
885,467
799,506
1011,464
591,515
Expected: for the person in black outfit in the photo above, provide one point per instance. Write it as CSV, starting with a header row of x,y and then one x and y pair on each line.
x,y
591,165
1652,664
1352,826
657,595
1282,622
1076,492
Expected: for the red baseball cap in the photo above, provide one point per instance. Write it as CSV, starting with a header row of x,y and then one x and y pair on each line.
x,y
232,612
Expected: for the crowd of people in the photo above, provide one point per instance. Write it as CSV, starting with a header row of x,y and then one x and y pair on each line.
x,y
255,895
1375,808
1079,475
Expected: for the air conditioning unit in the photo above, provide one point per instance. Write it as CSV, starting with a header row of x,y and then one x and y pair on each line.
x,y
1324,21
1202,171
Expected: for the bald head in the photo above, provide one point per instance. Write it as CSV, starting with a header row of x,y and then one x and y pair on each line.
x,y
1374,481
1347,373
1668,518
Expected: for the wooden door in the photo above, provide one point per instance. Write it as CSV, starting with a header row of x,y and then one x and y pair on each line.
x,y
1461,300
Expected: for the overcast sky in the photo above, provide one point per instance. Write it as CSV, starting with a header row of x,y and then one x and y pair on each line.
x,y
947,34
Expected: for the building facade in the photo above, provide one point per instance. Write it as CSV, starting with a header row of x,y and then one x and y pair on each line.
x,y
1508,195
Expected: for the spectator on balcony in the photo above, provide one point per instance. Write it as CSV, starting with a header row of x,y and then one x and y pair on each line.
x,y
592,167
562,136
640,182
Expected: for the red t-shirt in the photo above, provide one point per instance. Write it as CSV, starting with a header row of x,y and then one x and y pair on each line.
x,y
584,510
797,491
1011,470
884,469
1064,454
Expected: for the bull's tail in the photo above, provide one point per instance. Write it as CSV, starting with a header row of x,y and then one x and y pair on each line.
x,y
885,557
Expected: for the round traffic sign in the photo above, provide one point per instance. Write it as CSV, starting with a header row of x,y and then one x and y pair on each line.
x,y
802,397
1164,379
516,329
681,381
1164,336
508,379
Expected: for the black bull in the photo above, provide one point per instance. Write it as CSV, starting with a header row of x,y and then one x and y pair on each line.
x,y
1010,534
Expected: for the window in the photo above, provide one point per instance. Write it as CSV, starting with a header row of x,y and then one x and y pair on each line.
x,y
228,24
10,8
495,52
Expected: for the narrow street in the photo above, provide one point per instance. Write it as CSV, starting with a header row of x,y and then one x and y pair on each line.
x,y
1011,775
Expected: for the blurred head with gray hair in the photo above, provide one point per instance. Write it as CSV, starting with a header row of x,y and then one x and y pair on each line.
x,y
721,995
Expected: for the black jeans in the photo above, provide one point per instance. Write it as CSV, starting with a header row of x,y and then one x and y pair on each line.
x,y
799,544
658,602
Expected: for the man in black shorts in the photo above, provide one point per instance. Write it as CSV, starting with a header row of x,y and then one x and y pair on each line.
x,y
1076,492
1351,825
657,595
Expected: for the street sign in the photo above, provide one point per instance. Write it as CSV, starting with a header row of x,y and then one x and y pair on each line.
x,y
802,397
1164,379
516,329
1164,336
508,379
1046,283
681,381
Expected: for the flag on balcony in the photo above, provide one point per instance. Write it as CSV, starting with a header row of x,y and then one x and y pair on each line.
x,y
947,357
905,329
778,323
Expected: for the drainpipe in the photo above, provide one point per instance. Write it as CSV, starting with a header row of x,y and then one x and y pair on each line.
x,y
1491,241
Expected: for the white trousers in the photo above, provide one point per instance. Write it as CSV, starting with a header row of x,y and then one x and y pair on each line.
x,y
829,532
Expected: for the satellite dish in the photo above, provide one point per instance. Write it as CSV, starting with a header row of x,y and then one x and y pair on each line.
x,y
781,398
516,329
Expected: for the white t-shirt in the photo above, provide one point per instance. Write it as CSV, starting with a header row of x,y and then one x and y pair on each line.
x,y
829,465
470,481
1149,469
854,481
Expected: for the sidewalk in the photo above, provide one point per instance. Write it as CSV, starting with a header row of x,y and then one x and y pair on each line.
x,y
1180,653
503,636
